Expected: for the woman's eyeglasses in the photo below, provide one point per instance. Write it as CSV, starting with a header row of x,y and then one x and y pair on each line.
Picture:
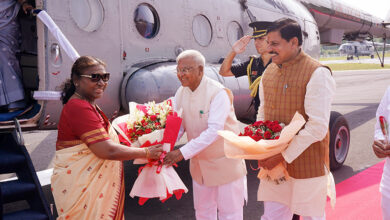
x,y
95,77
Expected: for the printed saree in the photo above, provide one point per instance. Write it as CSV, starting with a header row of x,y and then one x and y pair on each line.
x,y
85,186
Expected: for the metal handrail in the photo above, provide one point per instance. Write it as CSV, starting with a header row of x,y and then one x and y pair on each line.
x,y
18,132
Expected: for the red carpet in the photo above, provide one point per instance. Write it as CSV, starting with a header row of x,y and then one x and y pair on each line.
x,y
358,197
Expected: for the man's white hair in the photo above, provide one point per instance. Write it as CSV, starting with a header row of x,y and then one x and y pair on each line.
x,y
196,55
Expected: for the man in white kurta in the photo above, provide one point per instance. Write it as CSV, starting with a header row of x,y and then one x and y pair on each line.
x,y
219,183
382,150
305,196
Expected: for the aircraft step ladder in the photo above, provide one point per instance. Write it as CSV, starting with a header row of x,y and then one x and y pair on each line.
x,y
14,158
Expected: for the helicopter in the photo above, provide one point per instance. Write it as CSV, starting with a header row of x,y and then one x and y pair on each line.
x,y
360,48
140,40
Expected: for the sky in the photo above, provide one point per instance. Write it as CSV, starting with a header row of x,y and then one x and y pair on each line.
x,y
379,8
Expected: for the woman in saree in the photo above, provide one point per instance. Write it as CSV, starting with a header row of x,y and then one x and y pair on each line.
x,y
87,180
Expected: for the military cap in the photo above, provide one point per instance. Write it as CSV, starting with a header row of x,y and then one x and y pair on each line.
x,y
260,28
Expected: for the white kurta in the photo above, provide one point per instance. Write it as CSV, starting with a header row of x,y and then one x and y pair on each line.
x,y
305,197
216,122
384,110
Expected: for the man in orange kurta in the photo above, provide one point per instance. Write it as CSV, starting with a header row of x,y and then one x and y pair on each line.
x,y
296,82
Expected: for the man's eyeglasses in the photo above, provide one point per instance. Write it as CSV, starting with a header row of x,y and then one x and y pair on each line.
x,y
184,70
95,77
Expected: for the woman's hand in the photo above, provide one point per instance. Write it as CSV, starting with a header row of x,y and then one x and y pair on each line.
x,y
154,152
381,150
110,150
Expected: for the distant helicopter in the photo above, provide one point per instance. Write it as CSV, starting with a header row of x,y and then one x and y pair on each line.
x,y
360,48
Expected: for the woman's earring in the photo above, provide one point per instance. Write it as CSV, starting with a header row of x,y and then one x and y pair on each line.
x,y
76,84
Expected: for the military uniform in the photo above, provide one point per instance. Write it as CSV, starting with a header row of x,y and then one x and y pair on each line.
x,y
253,68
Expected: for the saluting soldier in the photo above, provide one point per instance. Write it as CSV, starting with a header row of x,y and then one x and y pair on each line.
x,y
255,66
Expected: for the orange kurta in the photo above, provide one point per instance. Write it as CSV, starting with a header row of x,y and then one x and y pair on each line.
x,y
284,94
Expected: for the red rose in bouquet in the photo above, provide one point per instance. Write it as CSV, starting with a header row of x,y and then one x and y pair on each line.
x,y
268,130
384,126
261,140
144,119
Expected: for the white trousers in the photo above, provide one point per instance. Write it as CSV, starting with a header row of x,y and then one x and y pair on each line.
x,y
227,200
385,203
279,211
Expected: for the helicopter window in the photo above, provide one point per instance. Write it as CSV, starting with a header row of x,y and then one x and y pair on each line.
x,y
88,15
234,32
147,21
201,29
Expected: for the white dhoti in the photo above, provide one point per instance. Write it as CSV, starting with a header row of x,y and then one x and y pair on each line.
x,y
276,210
305,197
385,203
227,200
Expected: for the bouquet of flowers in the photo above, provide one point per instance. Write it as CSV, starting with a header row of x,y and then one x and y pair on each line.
x,y
147,125
262,140
267,130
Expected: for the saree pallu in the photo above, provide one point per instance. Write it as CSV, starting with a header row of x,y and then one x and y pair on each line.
x,y
85,186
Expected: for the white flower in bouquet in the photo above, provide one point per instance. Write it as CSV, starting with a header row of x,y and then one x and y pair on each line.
x,y
152,108
133,118
163,112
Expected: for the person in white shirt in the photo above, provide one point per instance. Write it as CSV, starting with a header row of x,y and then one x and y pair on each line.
x,y
381,149
219,183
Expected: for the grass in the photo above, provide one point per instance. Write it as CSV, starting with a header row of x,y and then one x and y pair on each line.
x,y
357,66
387,54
